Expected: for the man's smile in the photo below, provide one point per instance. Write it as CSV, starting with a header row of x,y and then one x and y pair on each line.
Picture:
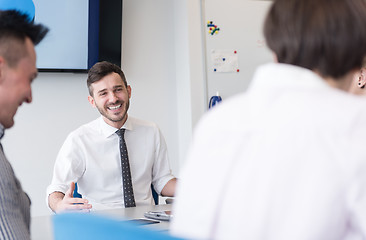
x,y
115,107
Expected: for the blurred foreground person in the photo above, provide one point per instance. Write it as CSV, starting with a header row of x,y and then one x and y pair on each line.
x,y
286,159
17,71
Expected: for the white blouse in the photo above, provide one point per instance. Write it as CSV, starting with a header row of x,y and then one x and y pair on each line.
x,y
285,160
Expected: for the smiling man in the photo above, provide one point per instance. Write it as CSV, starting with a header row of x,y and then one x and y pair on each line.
x,y
18,36
115,158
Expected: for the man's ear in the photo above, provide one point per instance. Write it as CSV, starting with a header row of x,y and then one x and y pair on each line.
x,y
2,65
91,101
129,91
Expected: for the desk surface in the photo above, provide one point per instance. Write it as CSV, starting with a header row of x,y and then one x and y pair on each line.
x,y
41,227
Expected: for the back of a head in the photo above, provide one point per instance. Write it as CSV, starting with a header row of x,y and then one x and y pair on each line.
x,y
327,36
15,27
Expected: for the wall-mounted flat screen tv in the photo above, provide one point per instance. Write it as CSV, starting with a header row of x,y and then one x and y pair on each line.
x,y
82,32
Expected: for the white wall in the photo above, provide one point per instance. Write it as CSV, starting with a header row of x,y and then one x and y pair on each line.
x,y
148,60
190,70
165,70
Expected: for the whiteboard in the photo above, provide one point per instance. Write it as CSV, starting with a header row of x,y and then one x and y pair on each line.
x,y
240,24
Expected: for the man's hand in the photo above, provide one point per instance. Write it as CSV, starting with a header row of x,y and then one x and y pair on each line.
x,y
60,202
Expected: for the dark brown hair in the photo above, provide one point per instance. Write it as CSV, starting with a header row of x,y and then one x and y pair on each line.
x,y
15,27
100,70
327,36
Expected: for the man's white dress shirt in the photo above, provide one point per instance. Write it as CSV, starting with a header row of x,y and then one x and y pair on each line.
x,y
90,156
285,160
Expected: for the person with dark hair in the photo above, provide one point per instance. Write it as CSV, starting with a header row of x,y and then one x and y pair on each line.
x,y
286,159
18,69
115,158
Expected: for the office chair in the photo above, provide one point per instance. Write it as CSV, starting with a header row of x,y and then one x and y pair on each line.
x,y
75,194
154,194
69,226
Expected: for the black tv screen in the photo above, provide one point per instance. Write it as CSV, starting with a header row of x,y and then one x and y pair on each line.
x,y
82,32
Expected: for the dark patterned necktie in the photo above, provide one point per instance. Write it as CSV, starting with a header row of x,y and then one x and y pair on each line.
x,y
126,172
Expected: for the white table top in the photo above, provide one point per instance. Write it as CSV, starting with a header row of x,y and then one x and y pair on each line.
x,y
41,227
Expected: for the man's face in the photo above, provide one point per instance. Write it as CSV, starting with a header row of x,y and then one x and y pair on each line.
x,y
15,84
112,99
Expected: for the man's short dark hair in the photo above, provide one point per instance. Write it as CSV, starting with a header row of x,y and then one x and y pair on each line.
x,y
15,27
326,36
100,70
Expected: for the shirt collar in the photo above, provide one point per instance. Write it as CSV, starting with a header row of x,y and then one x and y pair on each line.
x,y
279,75
107,130
2,130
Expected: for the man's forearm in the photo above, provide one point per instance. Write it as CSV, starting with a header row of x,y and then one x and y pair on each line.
x,y
54,199
169,188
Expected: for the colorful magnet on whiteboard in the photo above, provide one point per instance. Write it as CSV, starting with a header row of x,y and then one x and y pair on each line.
x,y
213,29
235,52
237,70
223,59
214,69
